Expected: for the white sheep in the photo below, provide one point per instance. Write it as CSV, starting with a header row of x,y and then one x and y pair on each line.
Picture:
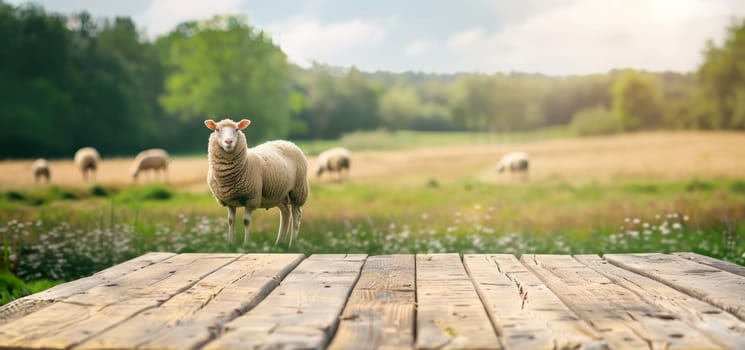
x,y
154,159
516,162
40,168
334,160
273,174
87,160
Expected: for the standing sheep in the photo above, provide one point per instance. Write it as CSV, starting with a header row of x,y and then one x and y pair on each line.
x,y
334,160
273,174
153,159
516,162
40,168
87,159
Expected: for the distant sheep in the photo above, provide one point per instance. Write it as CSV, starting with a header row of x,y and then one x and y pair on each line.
x,y
40,168
517,163
154,159
273,174
334,160
87,159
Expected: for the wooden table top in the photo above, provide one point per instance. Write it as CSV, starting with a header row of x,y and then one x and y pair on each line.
x,y
355,301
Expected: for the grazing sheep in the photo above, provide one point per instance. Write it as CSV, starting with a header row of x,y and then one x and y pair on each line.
x,y
334,160
40,168
273,174
516,162
153,159
87,160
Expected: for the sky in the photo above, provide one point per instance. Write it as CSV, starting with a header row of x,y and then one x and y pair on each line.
x,y
553,37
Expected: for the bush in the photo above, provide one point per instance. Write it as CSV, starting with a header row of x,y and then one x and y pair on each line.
x,y
596,120
11,288
100,191
738,186
698,185
157,193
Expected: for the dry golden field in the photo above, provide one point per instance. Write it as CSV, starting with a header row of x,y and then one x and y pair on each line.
x,y
647,156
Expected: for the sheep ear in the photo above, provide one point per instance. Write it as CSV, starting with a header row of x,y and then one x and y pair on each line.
x,y
243,124
210,124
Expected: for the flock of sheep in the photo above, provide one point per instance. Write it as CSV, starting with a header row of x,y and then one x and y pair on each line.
x,y
87,160
273,174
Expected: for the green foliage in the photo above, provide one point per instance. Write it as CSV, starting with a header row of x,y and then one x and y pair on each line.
x,y
738,186
698,185
594,121
636,101
722,78
100,191
223,67
84,82
11,288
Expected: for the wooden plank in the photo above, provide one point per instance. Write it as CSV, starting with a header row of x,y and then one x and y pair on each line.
x,y
195,316
624,319
26,305
720,288
716,263
380,311
81,316
721,327
450,314
524,310
302,312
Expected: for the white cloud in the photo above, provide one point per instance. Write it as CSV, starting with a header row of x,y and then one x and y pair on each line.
x,y
418,47
592,36
466,38
305,40
163,15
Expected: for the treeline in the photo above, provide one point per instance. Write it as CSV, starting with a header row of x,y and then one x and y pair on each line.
x,y
73,81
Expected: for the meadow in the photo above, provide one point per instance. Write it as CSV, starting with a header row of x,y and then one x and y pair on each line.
x,y
407,193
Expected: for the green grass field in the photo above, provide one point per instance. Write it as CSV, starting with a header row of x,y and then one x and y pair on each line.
x,y
56,233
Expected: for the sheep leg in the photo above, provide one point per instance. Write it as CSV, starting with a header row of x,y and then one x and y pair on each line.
x,y
246,225
284,222
231,223
297,214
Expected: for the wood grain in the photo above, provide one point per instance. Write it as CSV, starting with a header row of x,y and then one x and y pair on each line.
x,y
720,288
81,316
525,311
450,314
721,327
625,320
381,309
198,314
302,313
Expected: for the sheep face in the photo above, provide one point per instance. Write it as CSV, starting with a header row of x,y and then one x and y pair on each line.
x,y
226,132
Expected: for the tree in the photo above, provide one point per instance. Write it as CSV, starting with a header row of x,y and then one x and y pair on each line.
x,y
224,67
636,101
722,77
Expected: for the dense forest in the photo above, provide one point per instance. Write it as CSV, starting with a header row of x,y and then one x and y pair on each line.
x,y
73,81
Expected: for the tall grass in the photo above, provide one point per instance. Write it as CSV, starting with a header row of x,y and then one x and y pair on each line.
x,y
58,242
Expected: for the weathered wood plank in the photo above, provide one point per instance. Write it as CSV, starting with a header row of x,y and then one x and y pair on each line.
x,y
195,316
524,310
716,263
450,314
723,289
721,327
32,303
380,311
77,318
299,314
624,319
